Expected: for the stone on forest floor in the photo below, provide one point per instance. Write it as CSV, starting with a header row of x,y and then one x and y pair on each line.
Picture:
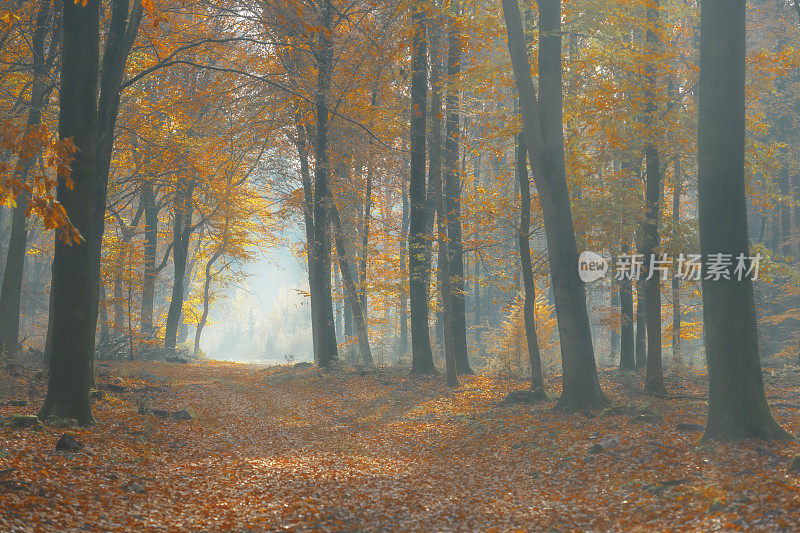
x,y
68,443
24,421
18,403
604,445
526,396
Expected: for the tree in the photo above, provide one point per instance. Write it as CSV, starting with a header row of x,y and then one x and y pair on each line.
x,y
72,328
528,281
542,126
421,353
15,258
323,200
737,407
452,203
654,379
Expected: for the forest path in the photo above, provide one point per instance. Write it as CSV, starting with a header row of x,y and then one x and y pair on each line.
x,y
292,448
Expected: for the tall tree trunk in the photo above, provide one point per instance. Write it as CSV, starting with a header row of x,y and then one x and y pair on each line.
x,y
786,214
351,290
443,333
641,324
119,41
308,219
72,323
181,234
404,293
543,130
452,202
338,307
150,248
654,379
676,286
119,312
476,176
437,198
614,337
18,242
206,303
528,281
627,359
737,407
421,353
323,201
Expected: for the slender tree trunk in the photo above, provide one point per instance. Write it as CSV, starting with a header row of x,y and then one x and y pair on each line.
x,y
421,353
206,300
18,242
641,324
119,312
528,281
103,315
338,307
443,333
73,299
627,359
119,41
181,233
676,286
737,407
614,337
452,202
404,293
476,176
543,128
308,219
150,247
351,290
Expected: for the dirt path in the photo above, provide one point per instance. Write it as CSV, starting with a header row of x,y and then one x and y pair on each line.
x,y
284,448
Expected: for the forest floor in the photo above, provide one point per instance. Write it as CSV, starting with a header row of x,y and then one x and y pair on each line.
x,y
286,448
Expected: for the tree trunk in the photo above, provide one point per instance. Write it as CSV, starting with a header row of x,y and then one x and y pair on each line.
x,y
452,203
614,337
437,199
323,201
72,321
308,219
351,290
119,312
654,379
676,286
528,281
543,131
404,293
18,242
206,304
627,358
737,407
421,353
181,233
150,247
641,324
119,41
443,333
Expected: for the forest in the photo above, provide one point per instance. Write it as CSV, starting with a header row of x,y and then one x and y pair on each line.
x,y
550,254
